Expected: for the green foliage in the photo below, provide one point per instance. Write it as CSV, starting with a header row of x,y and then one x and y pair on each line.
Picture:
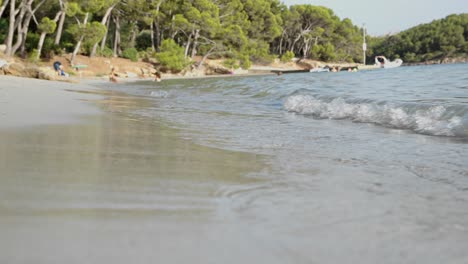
x,y
68,41
72,9
94,32
131,54
91,6
33,56
172,56
231,64
50,49
436,40
3,29
147,54
106,52
47,25
31,41
143,40
287,56
259,52
245,62
324,52
240,30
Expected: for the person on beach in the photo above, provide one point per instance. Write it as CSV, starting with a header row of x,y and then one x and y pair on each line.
x,y
58,68
157,76
113,75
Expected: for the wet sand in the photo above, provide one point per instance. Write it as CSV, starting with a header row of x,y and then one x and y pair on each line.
x,y
82,181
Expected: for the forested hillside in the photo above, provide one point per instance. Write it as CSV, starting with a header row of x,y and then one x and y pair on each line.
x,y
437,40
241,31
174,31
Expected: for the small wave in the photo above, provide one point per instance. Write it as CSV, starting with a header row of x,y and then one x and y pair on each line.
x,y
435,120
159,94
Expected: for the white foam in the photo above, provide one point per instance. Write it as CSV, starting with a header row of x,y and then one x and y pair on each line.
x,y
435,120
159,94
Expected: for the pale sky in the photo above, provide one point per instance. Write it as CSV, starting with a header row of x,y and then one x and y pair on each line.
x,y
389,16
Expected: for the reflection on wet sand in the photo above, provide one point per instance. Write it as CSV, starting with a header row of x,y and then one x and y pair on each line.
x,y
113,170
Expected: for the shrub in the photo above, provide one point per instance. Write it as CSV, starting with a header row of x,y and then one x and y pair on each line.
x,y
287,56
143,40
106,52
231,63
131,54
172,56
245,62
33,56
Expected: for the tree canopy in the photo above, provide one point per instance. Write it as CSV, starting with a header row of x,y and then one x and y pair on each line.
x,y
239,30
432,41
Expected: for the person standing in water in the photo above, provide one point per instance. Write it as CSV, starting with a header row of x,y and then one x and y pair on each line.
x,y
157,76
113,75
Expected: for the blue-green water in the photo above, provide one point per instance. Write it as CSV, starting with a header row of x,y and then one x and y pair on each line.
x,y
366,167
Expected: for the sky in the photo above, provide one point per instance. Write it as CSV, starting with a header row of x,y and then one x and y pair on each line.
x,y
382,17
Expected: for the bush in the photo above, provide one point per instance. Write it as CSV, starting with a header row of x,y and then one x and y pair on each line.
x,y
287,56
31,41
131,54
245,62
231,63
172,56
33,56
145,55
106,52
143,40
49,49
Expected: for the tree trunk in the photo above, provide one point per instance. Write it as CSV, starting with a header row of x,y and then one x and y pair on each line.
x,y
152,36
280,50
195,43
24,30
43,35
20,23
27,22
40,44
103,22
205,57
133,36
104,39
158,36
11,30
189,39
117,37
78,44
60,25
295,41
2,8
305,49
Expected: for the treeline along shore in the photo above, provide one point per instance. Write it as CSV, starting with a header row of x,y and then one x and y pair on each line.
x,y
176,35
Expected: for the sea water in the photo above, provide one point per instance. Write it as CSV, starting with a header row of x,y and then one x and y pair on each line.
x,y
363,167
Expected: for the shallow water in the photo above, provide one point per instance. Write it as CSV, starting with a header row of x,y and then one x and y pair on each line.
x,y
366,167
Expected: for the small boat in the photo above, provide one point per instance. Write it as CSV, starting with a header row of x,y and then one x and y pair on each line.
x,y
382,62
320,69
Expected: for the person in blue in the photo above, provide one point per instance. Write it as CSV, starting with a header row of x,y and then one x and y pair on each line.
x,y
58,68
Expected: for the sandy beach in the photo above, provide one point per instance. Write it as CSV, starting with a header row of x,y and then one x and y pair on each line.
x,y
81,181
235,170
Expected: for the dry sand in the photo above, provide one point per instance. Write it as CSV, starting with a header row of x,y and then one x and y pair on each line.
x,y
26,102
